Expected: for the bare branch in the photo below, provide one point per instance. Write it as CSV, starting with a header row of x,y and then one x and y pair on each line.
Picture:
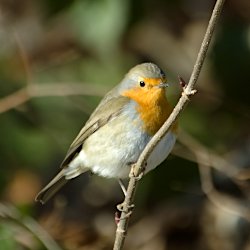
x,y
14,100
43,90
216,161
10,213
24,58
188,91
222,201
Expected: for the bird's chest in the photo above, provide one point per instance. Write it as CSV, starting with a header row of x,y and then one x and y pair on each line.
x,y
111,149
152,116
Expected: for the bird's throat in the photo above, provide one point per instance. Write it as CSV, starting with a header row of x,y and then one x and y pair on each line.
x,y
153,115
153,109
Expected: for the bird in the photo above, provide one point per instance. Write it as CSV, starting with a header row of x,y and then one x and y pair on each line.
x,y
118,130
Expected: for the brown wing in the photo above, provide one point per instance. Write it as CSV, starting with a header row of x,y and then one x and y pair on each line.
x,y
108,109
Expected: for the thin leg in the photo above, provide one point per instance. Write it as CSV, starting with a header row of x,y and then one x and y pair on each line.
x,y
122,187
120,206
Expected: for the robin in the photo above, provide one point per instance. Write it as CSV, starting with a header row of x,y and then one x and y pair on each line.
x,y
119,129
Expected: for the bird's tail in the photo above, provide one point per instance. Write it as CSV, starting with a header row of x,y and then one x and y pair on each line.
x,y
52,187
58,181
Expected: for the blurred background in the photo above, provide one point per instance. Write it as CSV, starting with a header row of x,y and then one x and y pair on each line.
x,y
58,58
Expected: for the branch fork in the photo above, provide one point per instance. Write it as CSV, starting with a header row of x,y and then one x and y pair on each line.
x,y
188,93
185,91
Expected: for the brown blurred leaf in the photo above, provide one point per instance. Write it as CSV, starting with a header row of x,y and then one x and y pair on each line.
x,y
22,187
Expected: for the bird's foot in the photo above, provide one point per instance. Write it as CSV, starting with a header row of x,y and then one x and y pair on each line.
x,y
122,208
132,172
126,211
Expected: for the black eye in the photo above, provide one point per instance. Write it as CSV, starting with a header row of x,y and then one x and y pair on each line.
x,y
162,73
142,83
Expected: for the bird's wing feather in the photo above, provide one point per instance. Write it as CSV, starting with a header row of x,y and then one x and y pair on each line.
x,y
108,109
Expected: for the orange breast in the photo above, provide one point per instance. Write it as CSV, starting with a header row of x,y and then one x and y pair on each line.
x,y
153,107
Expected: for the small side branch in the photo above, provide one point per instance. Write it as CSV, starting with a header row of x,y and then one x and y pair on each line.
x,y
34,90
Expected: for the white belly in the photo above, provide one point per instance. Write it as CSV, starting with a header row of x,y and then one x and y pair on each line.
x,y
111,150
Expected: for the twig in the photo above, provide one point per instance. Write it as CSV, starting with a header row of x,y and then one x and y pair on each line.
x,y
192,149
33,90
14,100
188,91
206,161
10,213
225,202
216,161
24,58
43,90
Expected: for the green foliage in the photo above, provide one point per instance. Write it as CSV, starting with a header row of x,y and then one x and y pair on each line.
x,y
7,241
100,24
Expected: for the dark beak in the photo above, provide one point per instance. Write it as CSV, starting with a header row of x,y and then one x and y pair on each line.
x,y
162,85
